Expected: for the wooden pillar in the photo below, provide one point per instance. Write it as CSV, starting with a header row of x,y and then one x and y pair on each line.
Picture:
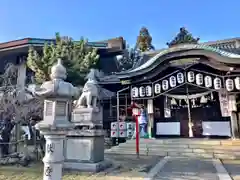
x,y
150,116
21,78
238,123
234,126
233,115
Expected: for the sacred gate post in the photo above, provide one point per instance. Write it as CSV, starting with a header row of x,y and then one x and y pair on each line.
x,y
58,96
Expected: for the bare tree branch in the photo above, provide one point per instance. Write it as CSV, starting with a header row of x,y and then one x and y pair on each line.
x,y
17,103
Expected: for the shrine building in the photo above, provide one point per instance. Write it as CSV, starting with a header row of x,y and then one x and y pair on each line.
x,y
189,89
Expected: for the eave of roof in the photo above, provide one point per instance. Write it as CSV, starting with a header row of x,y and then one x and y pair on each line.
x,y
221,56
41,42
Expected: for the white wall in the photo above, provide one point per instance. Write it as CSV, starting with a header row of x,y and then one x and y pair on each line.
x,y
168,128
210,128
217,128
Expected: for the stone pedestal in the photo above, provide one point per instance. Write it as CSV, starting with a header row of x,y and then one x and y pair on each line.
x,y
87,117
84,146
84,150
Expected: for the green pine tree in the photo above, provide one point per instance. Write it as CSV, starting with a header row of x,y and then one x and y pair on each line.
x,y
77,57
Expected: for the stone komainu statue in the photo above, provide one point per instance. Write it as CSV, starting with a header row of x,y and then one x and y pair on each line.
x,y
90,92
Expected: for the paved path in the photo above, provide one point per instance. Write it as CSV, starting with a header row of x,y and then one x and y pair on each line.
x,y
233,168
176,168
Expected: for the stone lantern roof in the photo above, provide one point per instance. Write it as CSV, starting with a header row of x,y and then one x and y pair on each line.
x,y
58,71
57,87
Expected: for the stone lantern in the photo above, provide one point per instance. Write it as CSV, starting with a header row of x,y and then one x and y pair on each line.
x,y
58,96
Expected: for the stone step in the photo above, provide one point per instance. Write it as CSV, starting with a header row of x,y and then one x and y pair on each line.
x,y
154,149
125,145
181,146
178,140
178,154
231,143
187,142
167,149
196,146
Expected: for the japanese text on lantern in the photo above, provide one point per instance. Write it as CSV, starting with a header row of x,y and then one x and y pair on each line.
x,y
50,148
48,171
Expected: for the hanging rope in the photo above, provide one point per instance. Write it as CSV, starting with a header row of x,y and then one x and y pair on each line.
x,y
193,96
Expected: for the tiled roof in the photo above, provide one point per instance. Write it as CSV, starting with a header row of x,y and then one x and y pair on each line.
x,y
226,57
229,46
231,50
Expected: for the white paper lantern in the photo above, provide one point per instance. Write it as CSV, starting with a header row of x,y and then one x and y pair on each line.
x,y
165,85
157,88
148,91
180,78
142,91
217,83
237,83
208,81
190,76
135,92
229,85
199,79
173,81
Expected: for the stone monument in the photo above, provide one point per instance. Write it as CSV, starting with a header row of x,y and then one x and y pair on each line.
x,y
58,96
85,144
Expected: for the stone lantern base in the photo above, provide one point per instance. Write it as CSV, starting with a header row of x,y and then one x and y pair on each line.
x,y
84,150
87,167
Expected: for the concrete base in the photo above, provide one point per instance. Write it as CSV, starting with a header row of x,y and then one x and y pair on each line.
x,y
87,167
86,149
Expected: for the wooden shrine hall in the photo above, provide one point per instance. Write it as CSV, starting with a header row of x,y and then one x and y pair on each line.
x,y
189,89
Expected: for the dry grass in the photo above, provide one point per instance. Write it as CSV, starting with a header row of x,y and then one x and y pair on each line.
x,y
23,174
35,172
126,167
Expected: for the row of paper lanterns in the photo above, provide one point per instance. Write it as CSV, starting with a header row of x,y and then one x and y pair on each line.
x,y
173,81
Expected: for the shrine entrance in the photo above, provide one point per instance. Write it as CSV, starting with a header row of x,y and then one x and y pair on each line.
x,y
179,111
186,103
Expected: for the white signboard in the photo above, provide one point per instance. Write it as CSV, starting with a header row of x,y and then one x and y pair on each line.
x,y
168,128
217,128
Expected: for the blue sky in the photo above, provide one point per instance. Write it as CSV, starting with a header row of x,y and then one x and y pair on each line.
x,y
104,19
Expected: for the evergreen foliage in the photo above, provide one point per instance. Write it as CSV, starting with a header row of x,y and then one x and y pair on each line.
x,y
77,57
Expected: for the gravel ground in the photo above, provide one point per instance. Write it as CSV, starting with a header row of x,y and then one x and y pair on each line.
x,y
233,168
125,167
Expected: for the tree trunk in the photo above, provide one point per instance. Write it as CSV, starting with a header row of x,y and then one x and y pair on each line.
x,y
6,136
17,136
